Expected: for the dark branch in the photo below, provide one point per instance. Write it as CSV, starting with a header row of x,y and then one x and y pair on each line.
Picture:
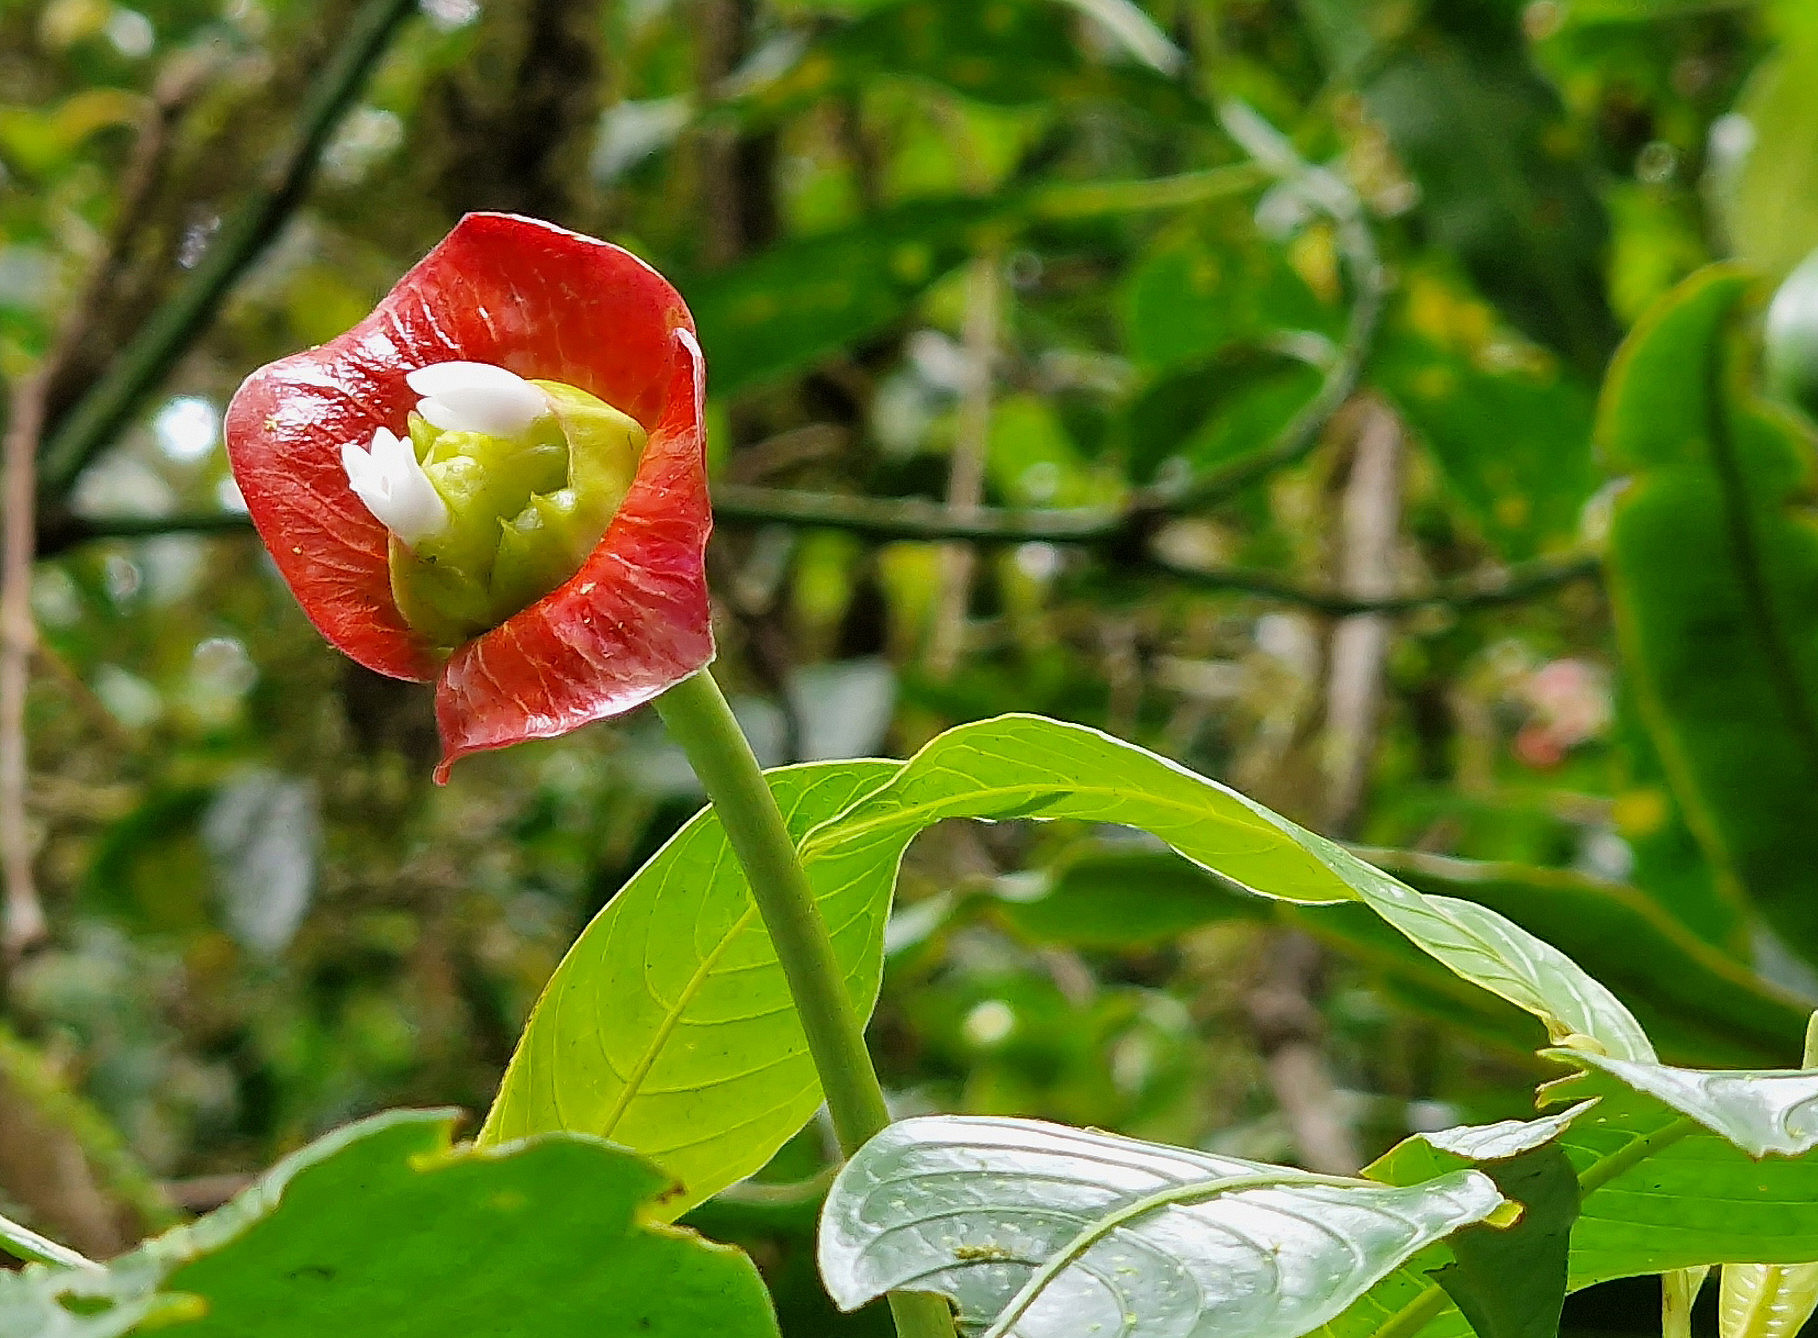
x,y
100,414
911,519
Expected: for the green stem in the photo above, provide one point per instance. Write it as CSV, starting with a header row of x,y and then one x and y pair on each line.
x,y
699,720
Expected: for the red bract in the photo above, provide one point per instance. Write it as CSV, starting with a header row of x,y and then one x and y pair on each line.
x,y
544,303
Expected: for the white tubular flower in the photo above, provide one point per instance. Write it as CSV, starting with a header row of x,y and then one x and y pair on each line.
x,y
394,487
477,397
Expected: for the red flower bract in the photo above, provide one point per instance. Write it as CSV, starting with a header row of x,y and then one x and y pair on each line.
x,y
545,303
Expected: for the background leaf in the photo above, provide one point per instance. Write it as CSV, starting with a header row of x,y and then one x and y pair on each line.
x,y
1713,568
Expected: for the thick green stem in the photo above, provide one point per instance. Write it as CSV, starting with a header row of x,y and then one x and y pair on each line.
x,y
700,721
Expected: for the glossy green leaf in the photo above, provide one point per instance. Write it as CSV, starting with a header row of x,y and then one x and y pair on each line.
x,y
1029,767
1661,1189
1041,1230
1713,568
668,1027
1766,1300
383,1229
1696,1003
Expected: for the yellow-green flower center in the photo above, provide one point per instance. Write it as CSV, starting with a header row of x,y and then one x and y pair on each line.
x,y
524,510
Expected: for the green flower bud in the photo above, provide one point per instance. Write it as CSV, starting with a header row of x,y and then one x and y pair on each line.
x,y
524,512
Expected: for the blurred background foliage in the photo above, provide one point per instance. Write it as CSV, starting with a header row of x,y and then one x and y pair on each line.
x,y
1257,342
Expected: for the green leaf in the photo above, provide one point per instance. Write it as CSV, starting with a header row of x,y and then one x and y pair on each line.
x,y
1667,1176
383,1229
1052,1231
1028,767
1200,288
1481,133
1761,1111
669,1028
1767,195
801,301
1766,1300
1713,567
1216,410
1696,1003
1514,440
1510,1282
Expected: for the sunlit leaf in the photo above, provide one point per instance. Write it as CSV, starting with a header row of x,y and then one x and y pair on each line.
x,y
1030,767
1039,1229
383,1229
669,1028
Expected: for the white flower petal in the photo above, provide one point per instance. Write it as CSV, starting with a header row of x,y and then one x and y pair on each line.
x,y
388,479
477,397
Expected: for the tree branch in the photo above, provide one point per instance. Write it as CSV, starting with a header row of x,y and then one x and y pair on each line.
x,y
912,519
100,414
24,924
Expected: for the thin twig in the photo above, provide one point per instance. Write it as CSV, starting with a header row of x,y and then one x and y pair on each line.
x,y
966,472
25,924
100,414
175,90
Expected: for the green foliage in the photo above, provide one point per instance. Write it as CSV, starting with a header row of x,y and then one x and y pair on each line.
x,y
382,1228
668,1027
1480,132
1044,1230
1714,573
1590,799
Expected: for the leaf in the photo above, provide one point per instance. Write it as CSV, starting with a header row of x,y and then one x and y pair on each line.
x,y
803,300
1766,1300
1660,1190
1510,1281
1058,1231
21,1242
1480,132
1216,410
1695,1002
1713,575
1767,194
1513,440
1028,767
1200,289
383,1229
668,1027
1761,1111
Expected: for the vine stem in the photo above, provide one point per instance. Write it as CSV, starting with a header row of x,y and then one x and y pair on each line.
x,y
698,718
